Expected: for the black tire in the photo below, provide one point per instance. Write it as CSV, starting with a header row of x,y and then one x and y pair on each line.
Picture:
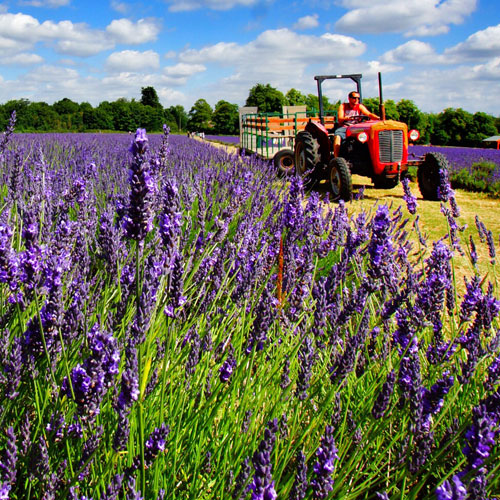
x,y
340,179
307,157
428,175
381,182
284,161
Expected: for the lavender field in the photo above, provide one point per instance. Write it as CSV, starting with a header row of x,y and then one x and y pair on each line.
x,y
460,158
176,322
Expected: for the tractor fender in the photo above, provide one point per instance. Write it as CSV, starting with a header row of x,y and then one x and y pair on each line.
x,y
320,133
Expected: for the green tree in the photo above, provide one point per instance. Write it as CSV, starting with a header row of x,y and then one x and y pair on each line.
x,y
391,110
483,126
409,113
225,118
200,116
41,117
122,119
295,98
149,97
451,127
66,107
176,118
266,98
312,103
20,106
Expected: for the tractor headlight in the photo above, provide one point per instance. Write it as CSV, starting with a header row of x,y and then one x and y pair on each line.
x,y
362,137
414,135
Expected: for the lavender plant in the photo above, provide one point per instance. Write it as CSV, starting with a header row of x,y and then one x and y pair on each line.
x,y
163,308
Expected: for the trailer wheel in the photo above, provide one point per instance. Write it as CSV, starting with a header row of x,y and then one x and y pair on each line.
x,y
284,162
307,157
428,175
340,179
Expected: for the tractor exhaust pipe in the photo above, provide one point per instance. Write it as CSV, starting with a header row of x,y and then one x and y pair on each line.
x,y
381,106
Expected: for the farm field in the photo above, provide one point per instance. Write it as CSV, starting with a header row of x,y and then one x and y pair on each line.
x,y
177,322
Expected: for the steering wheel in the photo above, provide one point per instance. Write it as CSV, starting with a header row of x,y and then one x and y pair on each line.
x,y
358,118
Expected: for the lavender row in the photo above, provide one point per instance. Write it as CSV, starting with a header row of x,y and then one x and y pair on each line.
x,y
177,322
461,158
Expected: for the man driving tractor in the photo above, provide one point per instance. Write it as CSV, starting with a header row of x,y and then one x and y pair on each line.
x,y
345,112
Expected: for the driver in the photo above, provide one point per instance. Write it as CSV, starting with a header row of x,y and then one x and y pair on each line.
x,y
346,111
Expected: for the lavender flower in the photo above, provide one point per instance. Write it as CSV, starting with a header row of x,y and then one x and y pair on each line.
x,y
240,484
262,485
155,444
410,199
130,382
324,467
491,246
444,189
433,398
298,491
91,380
8,470
227,368
138,221
451,490
382,402
176,299
306,360
480,437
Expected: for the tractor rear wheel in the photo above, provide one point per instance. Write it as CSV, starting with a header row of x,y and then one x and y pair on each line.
x,y
284,162
307,157
428,175
340,179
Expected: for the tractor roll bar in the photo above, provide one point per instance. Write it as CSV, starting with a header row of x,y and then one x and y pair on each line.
x,y
320,78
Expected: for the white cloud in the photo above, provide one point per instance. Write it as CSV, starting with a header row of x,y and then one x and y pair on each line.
x,y
133,60
273,50
281,58
483,44
413,51
188,5
125,31
21,59
46,3
411,17
120,7
307,22
178,74
21,32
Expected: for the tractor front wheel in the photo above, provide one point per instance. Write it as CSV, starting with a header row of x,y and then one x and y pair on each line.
x,y
307,157
284,162
429,177
340,179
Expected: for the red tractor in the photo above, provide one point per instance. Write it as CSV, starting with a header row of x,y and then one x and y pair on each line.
x,y
372,148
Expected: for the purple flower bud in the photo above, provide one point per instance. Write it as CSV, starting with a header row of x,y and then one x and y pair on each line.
x,y
451,490
299,488
324,467
382,402
410,199
262,485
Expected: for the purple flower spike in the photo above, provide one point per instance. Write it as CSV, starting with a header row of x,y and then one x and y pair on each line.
x,y
262,485
139,218
384,397
410,199
140,143
451,490
322,483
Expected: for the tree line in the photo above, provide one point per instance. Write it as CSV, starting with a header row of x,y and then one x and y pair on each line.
x,y
451,127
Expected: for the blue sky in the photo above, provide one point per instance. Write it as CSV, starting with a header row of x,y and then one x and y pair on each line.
x,y
438,53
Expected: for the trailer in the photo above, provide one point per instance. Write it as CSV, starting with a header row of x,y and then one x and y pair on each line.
x,y
272,135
